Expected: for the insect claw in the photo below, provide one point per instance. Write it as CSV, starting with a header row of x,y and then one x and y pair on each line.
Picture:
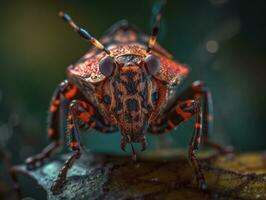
x,y
123,144
134,156
123,148
202,185
143,147
143,143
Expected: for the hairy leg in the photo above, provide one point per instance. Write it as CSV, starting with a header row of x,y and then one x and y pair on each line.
x,y
198,91
74,143
64,93
81,114
177,115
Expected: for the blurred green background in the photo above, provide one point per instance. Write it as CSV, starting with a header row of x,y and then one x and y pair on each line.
x,y
223,41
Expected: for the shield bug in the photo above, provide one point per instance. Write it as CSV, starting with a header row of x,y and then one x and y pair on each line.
x,y
126,82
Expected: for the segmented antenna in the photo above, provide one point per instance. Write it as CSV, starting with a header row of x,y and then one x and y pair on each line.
x,y
83,33
156,26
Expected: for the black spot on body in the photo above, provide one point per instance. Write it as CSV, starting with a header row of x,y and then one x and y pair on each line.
x,y
117,78
116,93
132,105
143,94
130,75
137,118
107,99
128,117
131,88
149,107
155,97
118,106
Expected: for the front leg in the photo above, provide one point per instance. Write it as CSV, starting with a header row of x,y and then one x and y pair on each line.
x,y
81,114
200,92
178,114
197,91
65,92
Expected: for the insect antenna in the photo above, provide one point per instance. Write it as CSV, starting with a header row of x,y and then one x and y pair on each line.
x,y
83,33
156,26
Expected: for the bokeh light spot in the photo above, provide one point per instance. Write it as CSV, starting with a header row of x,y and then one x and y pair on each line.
x,y
212,46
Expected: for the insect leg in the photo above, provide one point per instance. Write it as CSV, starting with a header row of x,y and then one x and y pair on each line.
x,y
178,114
194,146
64,93
89,118
199,91
78,111
80,114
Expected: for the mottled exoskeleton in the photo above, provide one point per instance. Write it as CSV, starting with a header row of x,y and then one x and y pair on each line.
x,y
126,82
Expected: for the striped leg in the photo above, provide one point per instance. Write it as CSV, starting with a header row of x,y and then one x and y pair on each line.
x,y
76,108
177,115
199,91
83,115
65,92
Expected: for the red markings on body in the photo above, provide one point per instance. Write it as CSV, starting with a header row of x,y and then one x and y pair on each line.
x,y
185,115
91,111
93,125
71,93
70,126
198,125
84,104
85,117
70,117
57,102
171,124
55,105
74,144
189,103
197,96
53,108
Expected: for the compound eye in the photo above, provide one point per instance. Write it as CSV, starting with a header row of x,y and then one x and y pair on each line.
x,y
107,66
152,64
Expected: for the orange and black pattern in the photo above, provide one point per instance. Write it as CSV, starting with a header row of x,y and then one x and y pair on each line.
x,y
65,92
127,82
182,110
83,115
